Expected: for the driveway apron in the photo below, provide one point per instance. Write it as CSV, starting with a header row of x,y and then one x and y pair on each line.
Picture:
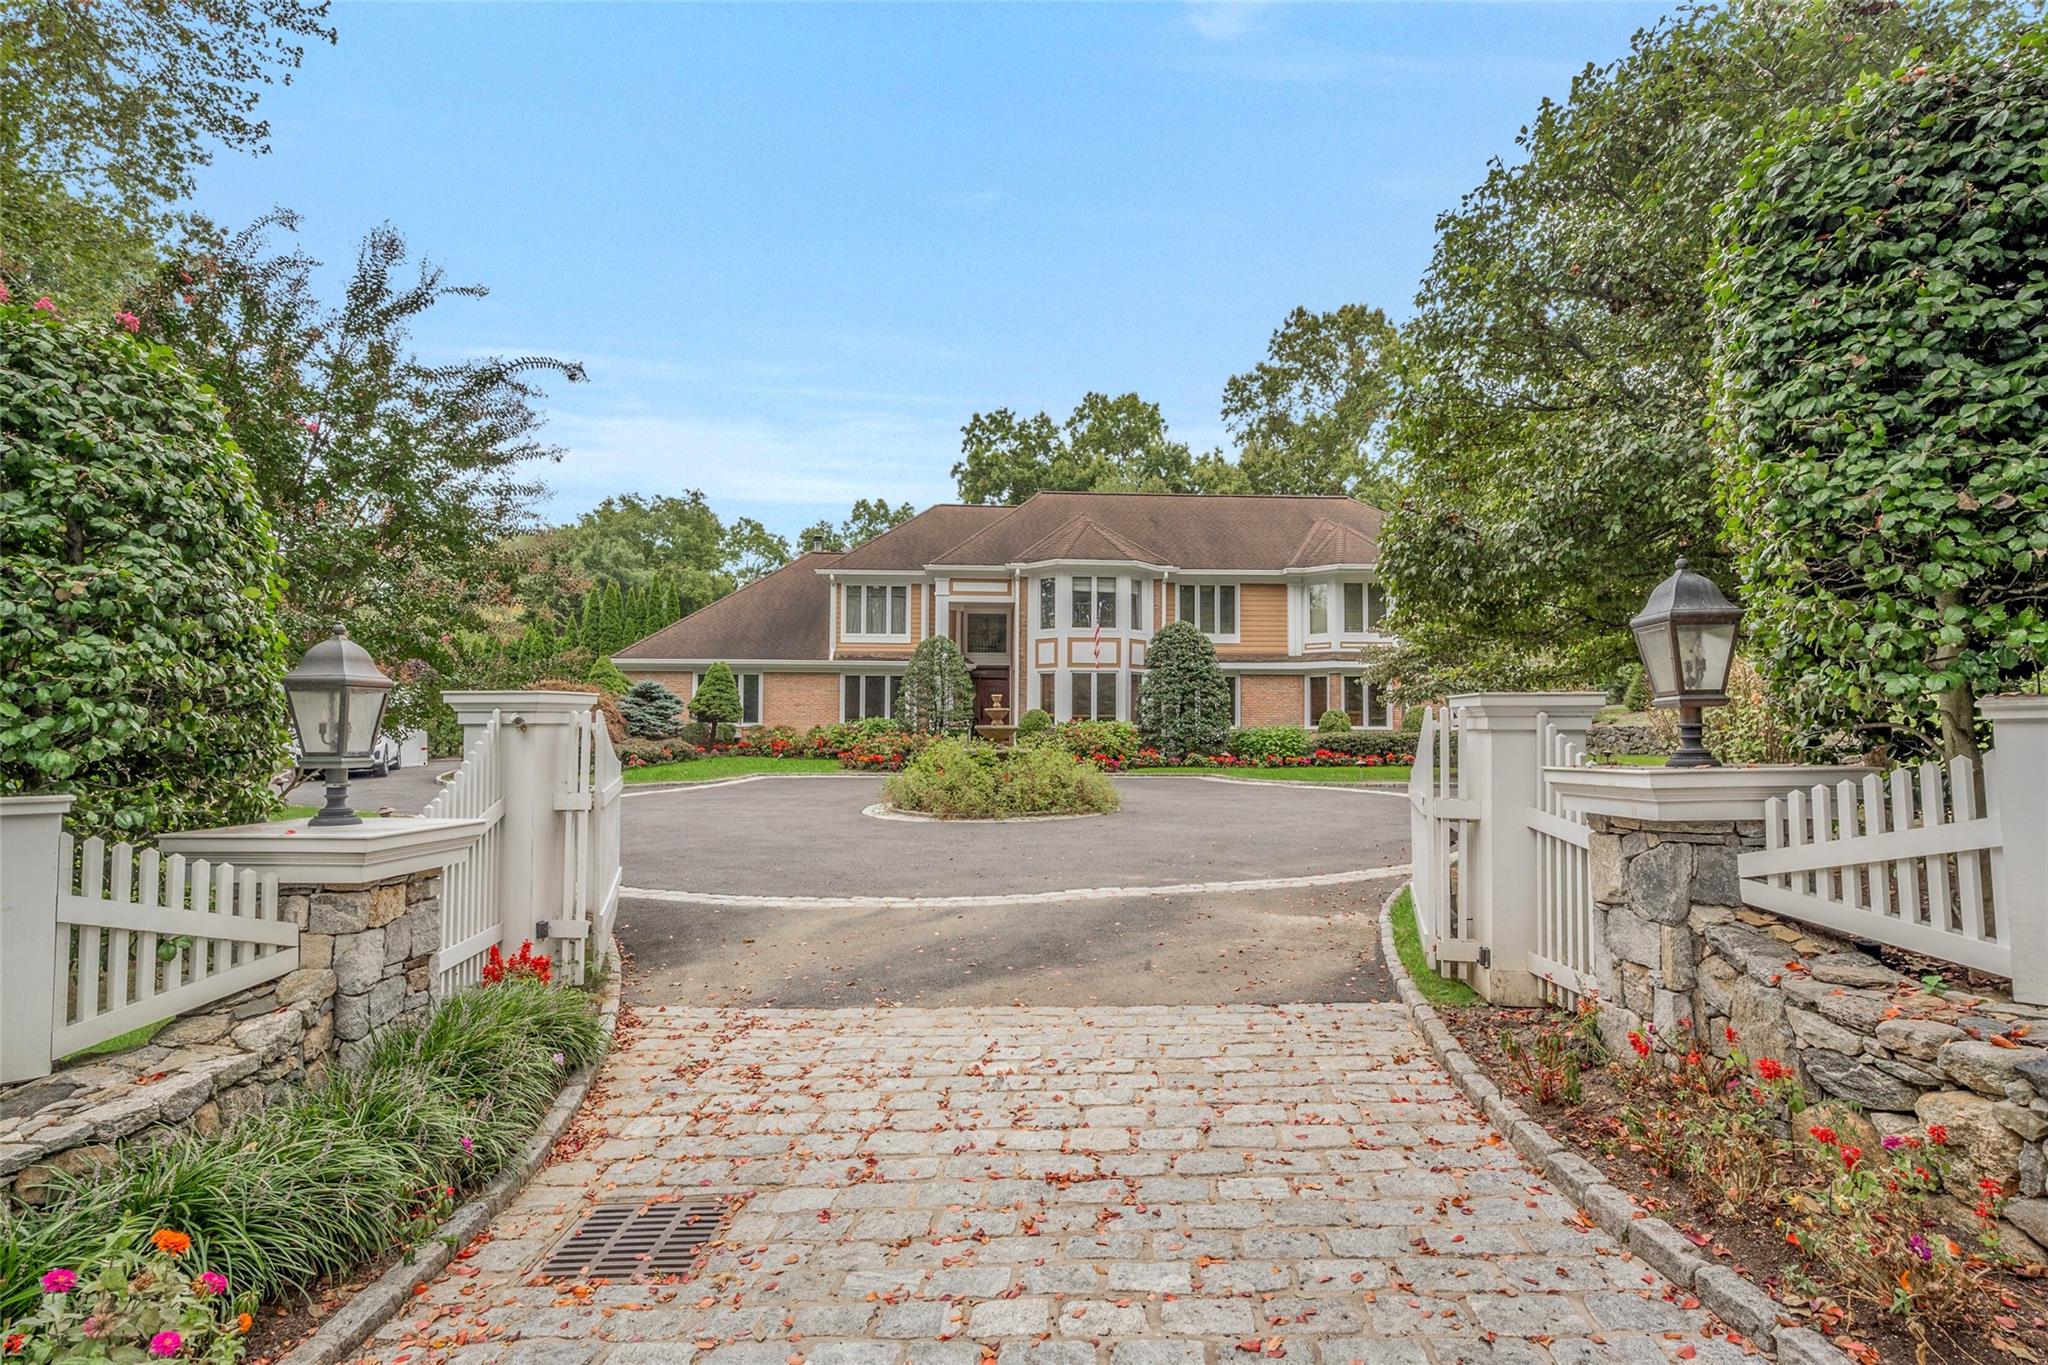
x,y
1159,1185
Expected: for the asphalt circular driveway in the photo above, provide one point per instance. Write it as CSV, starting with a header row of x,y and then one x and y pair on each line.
x,y
803,837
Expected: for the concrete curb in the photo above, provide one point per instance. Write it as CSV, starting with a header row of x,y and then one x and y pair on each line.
x,y
998,900
1725,1294
882,810
337,1338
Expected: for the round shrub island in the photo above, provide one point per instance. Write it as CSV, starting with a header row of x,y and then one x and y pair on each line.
x,y
958,779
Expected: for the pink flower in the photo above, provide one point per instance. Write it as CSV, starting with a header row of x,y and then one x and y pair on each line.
x,y
212,1283
311,425
60,1281
5,297
43,305
129,321
166,1344
468,1146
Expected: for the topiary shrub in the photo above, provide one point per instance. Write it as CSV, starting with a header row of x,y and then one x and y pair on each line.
x,y
1262,741
1184,707
608,677
650,710
716,702
1033,722
968,779
938,689
1333,722
1878,330
141,663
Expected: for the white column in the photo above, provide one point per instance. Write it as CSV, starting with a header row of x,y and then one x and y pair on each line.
x,y
536,754
1501,761
2018,789
31,879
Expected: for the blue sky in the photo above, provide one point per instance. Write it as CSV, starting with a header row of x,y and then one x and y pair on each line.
x,y
797,246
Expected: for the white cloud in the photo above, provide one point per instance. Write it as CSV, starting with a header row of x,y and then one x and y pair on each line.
x,y
1223,21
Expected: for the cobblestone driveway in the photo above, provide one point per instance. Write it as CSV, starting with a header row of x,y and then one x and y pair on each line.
x,y
1149,1186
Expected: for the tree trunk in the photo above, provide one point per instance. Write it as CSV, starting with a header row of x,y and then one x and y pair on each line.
x,y
1957,706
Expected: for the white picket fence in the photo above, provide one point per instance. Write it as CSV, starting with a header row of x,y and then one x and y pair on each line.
x,y
1563,890
1907,860
141,937
1443,822
471,914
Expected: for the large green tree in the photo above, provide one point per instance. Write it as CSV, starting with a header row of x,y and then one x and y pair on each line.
x,y
1106,444
870,517
389,478
106,113
1553,386
1881,308
1310,417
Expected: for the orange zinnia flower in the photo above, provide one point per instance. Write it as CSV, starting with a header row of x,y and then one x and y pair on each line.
x,y
243,1322
174,1243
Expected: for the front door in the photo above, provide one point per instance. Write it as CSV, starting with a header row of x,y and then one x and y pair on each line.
x,y
990,683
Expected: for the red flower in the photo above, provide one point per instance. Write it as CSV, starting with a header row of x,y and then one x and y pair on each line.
x,y
1850,1156
1825,1136
1639,1043
1729,1033
1771,1069
1937,1135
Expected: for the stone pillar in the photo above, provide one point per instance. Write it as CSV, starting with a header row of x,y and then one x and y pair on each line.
x,y
372,946
1501,763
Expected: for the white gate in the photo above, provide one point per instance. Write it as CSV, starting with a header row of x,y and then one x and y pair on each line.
x,y
1563,955
471,918
1442,829
590,846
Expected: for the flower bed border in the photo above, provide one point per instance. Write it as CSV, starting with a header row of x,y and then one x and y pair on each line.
x,y
1730,1296
348,1327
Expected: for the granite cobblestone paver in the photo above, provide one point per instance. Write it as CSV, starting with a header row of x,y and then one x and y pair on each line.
x,y
1167,1185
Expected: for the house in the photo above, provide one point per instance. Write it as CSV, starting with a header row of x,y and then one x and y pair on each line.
x,y
1053,601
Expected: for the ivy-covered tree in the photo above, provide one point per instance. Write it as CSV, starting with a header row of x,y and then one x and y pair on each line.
x,y
716,702
1881,318
938,688
649,709
1553,388
1184,706
141,664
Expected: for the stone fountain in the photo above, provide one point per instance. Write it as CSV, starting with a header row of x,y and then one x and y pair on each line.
x,y
997,729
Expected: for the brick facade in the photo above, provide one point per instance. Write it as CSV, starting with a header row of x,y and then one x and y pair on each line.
x,y
1270,699
800,699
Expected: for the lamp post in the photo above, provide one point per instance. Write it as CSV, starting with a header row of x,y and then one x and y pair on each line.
x,y
1686,636
337,696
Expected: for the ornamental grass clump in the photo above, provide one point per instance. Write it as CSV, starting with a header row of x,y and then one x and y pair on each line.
x,y
960,779
339,1174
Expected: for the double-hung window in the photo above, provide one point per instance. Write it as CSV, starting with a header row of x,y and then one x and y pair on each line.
x,y
1318,609
877,610
750,698
1095,602
1137,614
866,695
1048,603
1354,608
1211,606
1318,697
1375,605
1094,696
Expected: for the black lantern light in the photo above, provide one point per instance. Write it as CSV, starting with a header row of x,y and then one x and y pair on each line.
x,y
1686,635
337,696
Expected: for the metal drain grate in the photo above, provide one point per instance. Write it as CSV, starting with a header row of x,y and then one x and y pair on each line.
x,y
621,1240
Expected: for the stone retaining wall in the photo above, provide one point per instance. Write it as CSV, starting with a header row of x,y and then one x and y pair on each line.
x,y
366,958
1677,951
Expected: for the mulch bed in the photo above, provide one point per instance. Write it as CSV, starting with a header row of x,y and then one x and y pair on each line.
x,y
1752,1243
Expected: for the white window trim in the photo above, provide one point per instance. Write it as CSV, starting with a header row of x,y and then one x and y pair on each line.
x,y
846,623
1216,637
888,710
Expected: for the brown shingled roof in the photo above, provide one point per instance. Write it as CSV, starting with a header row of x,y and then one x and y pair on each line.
x,y
1186,530
783,615
917,542
1085,538
1328,542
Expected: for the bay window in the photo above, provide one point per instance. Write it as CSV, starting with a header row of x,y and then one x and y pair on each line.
x,y
1354,608
1095,602
1048,608
1318,609
1094,696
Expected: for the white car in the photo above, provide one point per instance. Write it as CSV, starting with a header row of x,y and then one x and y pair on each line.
x,y
385,757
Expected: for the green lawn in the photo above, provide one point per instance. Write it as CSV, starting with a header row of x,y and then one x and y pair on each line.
x,y
1437,990
727,765
1636,760
307,812
1390,773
